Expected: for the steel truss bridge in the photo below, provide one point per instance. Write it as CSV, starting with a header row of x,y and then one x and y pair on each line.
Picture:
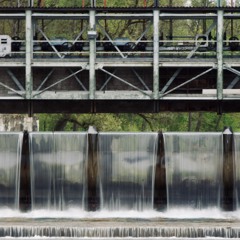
x,y
151,71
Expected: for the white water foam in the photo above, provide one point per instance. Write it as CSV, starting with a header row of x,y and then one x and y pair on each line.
x,y
74,213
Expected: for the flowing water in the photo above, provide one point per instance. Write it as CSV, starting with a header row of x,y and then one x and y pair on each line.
x,y
10,157
237,167
126,167
58,170
127,170
194,169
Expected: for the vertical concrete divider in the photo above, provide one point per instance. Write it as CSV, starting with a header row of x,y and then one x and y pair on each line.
x,y
228,197
93,198
160,187
25,181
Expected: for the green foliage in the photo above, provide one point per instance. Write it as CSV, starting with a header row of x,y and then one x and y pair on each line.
x,y
194,122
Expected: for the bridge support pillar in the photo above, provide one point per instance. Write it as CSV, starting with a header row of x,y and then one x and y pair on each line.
x,y
156,54
29,54
220,55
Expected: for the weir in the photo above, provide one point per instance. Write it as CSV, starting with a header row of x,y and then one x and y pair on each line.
x,y
120,185
194,163
127,170
10,163
58,170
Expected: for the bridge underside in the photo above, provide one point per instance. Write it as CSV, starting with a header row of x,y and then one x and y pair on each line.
x,y
116,106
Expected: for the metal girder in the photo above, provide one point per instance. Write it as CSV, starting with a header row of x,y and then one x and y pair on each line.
x,y
29,55
156,54
92,63
136,74
92,56
52,46
80,34
113,16
38,15
77,79
231,15
109,38
12,15
59,81
188,57
62,63
21,94
234,82
188,81
127,83
123,62
13,77
83,95
188,15
220,55
232,70
45,79
108,80
140,79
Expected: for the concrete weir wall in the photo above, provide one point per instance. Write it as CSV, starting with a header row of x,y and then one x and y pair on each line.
x,y
159,179
17,123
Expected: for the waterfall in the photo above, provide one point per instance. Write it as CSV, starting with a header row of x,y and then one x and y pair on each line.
x,y
237,159
10,161
126,170
193,169
119,233
58,170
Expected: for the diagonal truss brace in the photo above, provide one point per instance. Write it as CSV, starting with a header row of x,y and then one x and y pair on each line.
x,y
13,77
45,36
61,80
176,73
232,70
236,79
80,34
234,82
109,38
140,79
127,83
45,79
12,90
108,80
188,81
77,79
136,74
119,51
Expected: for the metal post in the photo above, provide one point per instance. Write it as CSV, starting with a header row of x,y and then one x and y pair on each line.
x,y
92,54
156,54
220,55
29,54
93,3
219,3
30,3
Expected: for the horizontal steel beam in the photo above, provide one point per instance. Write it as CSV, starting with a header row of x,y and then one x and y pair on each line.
x,y
60,15
207,94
